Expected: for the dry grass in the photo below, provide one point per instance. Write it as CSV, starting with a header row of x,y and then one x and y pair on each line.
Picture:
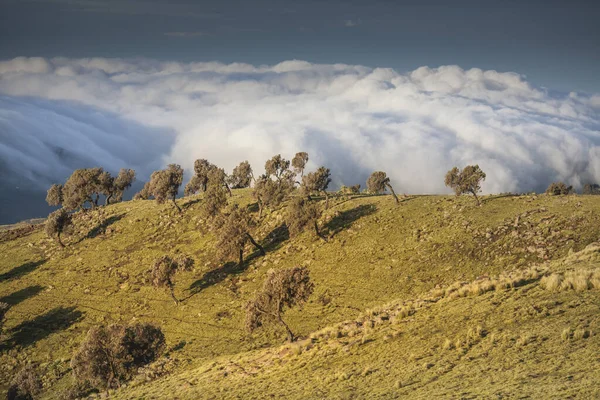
x,y
578,280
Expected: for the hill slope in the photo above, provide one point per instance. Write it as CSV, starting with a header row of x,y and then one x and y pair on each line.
x,y
377,253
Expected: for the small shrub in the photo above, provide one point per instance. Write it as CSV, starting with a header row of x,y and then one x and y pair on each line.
x,y
581,333
558,188
25,385
566,334
110,355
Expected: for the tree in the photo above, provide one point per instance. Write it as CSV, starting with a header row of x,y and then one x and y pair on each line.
x,y
466,181
57,223
81,187
54,196
164,184
218,177
164,270
591,188
269,193
110,355
242,176
114,187
233,234
199,181
143,194
214,200
348,190
277,166
301,213
281,290
299,163
317,181
558,188
26,385
378,182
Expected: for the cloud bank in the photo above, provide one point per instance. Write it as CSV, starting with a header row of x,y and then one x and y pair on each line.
x,y
56,114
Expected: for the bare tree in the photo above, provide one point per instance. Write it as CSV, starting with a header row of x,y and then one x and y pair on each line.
x,y
281,290
317,182
57,223
164,184
466,181
233,233
301,213
299,163
164,270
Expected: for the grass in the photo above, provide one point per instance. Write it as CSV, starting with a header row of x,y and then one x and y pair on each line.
x,y
390,281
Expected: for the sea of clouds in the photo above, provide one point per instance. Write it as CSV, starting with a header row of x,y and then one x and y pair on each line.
x,y
59,114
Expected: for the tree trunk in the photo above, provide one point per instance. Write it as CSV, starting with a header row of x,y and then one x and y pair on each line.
x,y
172,291
96,200
476,198
393,193
59,241
258,246
326,199
290,334
228,189
176,205
107,201
319,232
260,209
241,262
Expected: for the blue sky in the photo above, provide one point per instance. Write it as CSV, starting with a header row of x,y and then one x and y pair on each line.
x,y
556,44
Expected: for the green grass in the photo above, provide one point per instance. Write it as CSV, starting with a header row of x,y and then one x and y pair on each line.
x,y
377,253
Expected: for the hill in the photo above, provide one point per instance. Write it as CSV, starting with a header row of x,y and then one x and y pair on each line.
x,y
421,331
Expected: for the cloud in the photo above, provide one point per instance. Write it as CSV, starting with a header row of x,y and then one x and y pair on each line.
x,y
350,118
350,23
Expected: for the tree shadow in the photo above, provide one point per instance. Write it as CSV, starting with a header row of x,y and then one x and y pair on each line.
x,y
276,237
253,207
21,270
42,326
101,227
21,295
214,276
190,203
345,219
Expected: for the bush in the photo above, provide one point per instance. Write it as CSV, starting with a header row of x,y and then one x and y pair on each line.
x,y
25,385
558,188
110,355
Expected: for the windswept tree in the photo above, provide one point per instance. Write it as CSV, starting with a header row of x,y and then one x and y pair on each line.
x,y
164,184
281,290
299,163
591,188
83,186
233,234
143,194
301,213
199,181
57,223
54,196
277,167
317,182
466,181
164,270
110,355
217,176
559,188
269,193
215,198
242,176
122,182
378,182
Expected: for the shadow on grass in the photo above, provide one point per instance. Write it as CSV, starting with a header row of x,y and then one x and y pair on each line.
x,y
190,203
345,219
214,276
21,270
276,237
31,331
101,228
21,295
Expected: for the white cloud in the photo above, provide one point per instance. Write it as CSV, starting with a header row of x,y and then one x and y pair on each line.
x,y
350,118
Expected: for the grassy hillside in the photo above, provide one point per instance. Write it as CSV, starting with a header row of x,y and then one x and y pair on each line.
x,y
377,253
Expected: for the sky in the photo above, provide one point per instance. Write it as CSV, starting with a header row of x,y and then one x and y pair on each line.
x,y
409,87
